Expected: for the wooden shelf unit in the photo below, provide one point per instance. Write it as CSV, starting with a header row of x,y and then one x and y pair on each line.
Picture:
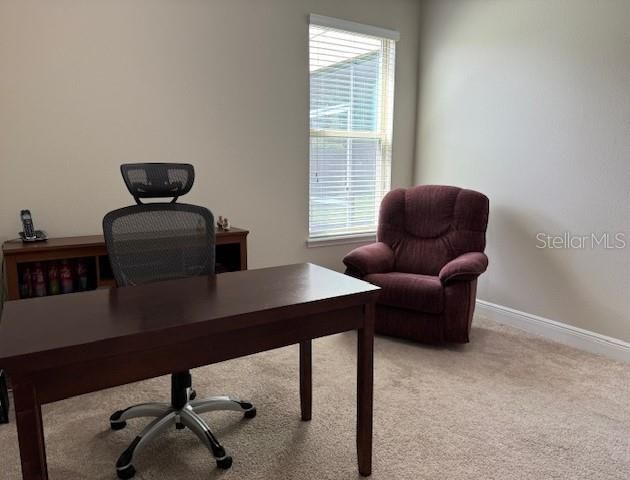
x,y
231,255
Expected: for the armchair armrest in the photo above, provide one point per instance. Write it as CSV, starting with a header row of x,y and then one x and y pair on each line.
x,y
464,268
374,258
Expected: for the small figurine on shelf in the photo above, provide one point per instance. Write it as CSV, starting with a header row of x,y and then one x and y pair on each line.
x,y
223,223
82,276
38,281
67,280
54,288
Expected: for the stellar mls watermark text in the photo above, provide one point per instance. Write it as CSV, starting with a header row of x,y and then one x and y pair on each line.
x,y
568,240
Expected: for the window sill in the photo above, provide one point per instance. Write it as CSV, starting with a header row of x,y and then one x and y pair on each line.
x,y
341,240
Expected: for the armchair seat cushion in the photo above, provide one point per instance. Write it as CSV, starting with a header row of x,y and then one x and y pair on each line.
x,y
422,293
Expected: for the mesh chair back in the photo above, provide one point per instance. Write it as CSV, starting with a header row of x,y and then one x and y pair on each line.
x,y
159,241
158,180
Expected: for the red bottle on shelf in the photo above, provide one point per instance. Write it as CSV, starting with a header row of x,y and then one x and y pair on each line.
x,y
82,276
54,287
26,289
38,280
66,277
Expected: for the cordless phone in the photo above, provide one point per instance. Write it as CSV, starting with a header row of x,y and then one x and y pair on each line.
x,y
30,234
27,223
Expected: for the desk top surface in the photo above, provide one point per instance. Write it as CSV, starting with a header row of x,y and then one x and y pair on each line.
x,y
110,319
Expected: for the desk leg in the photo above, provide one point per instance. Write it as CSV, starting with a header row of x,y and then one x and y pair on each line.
x,y
28,418
306,379
4,399
365,377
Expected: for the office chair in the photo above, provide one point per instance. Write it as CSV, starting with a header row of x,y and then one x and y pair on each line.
x,y
149,242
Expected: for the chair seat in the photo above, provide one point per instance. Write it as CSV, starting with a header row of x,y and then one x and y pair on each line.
x,y
423,293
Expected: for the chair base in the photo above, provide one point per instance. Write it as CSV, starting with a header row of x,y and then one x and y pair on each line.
x,y
181,414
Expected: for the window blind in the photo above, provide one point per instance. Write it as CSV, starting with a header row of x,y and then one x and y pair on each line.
x,y
351,117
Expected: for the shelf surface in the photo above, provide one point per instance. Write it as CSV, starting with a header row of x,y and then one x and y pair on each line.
x,y
17,246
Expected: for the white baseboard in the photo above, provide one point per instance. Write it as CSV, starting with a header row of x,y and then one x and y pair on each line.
x,y
556,331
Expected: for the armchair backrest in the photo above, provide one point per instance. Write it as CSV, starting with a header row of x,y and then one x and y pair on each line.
x,y
429,225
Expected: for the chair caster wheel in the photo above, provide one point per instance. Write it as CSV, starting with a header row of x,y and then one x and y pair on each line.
x,y
115,422
126,473
224,463
250,413
193,395
118,425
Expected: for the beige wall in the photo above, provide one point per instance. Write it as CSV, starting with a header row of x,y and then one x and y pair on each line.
x,y
529,102
88,84
526,100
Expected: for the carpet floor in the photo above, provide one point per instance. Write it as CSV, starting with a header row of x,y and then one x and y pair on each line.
x,y
506,406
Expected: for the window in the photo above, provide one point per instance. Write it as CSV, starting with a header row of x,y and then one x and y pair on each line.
x,y
351,115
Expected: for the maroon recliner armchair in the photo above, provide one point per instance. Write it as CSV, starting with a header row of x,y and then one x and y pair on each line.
x,y
427,258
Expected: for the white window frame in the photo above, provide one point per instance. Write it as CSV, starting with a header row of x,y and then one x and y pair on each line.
x,y
386,140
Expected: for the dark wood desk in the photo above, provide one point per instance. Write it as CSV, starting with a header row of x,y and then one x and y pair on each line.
x,y
103,338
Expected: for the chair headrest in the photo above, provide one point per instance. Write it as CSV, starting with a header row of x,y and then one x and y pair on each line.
x,y
158,180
